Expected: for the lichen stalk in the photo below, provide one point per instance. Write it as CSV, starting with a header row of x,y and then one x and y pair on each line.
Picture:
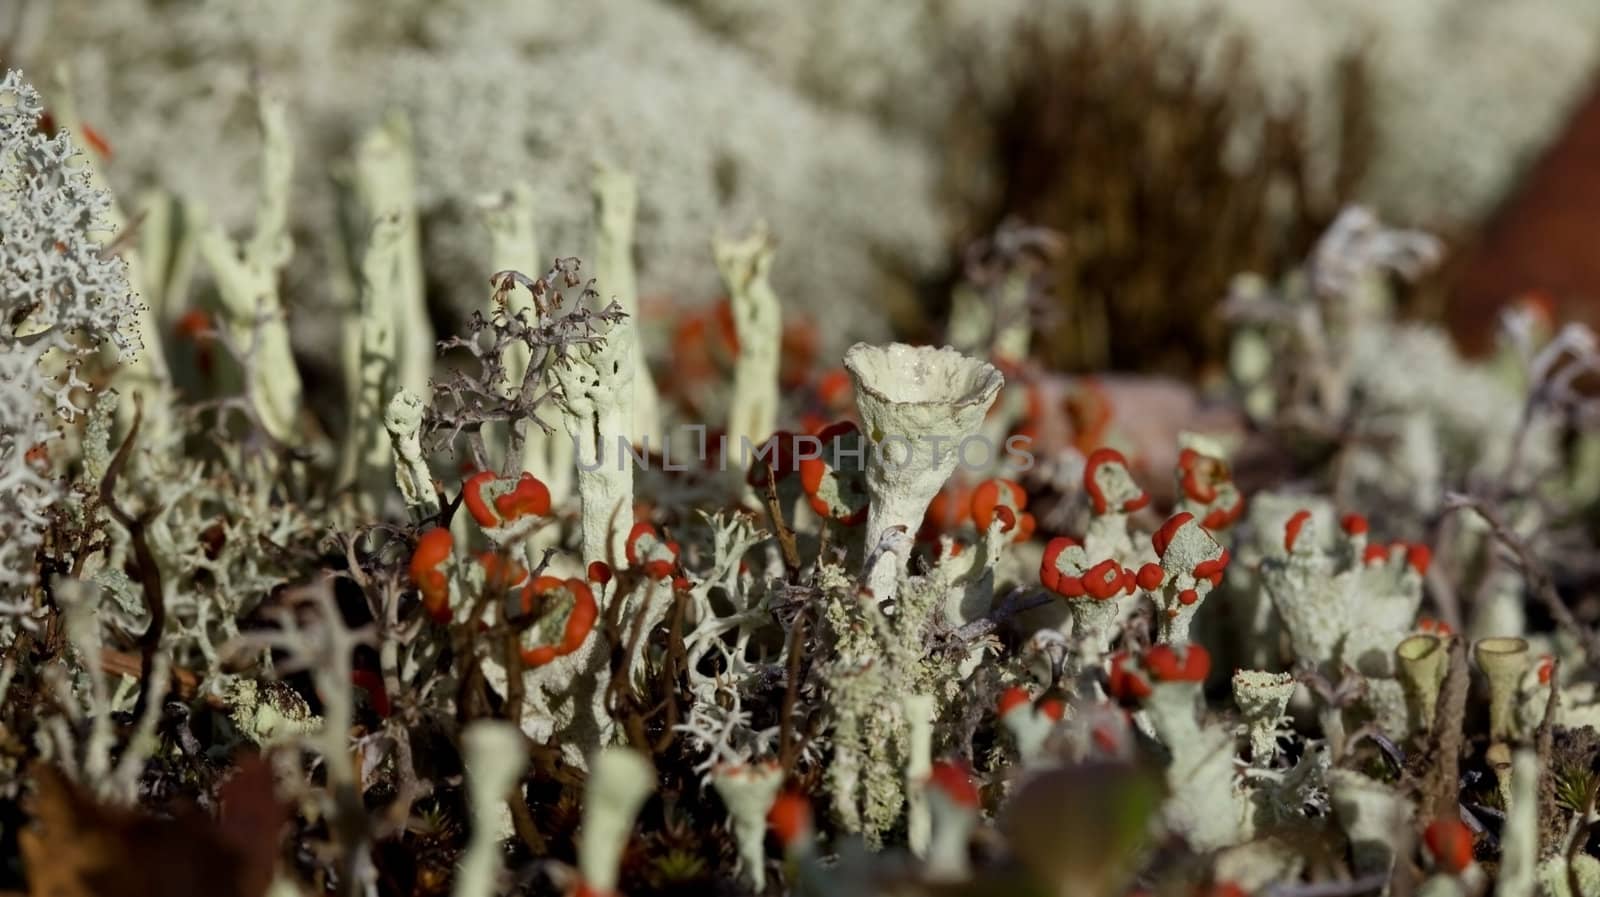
x,y
371,347
748,792
495,756
1519,846
953,824
619,782
746,266
1369,812
917,405
1171,709
616,203
385,183
247,281
596,389
145,372
166,244
1262,698
1192,566
1423,660
919,715
509,217
403,420
1503,661
1030,728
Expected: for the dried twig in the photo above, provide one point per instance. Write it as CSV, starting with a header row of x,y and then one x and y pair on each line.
x,y
123,663
1538,577
788,749
1544,736
673,666
786,542
1017,601
1449,721
149,572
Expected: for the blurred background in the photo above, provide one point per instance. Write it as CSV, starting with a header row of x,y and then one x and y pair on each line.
x,y
1167,144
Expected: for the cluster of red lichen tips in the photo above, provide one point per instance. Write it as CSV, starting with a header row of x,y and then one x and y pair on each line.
x,y
433,548
656,557
1016,698
1066,570
1132,678
528,497
1004,501
1092,466
1201,479
580,618
837,491
1415,555
502,574
1209,570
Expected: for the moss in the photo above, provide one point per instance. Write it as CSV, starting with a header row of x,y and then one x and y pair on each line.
x,y
1574,772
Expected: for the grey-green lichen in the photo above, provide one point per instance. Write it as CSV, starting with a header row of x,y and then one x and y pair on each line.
x,y
268,713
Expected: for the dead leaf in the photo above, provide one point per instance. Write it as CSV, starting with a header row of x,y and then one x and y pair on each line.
x,y
76,847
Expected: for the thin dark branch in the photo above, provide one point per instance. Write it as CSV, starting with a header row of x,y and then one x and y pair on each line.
x,y
673,664
1538,577
1544,736
1017,601
788,751
786,542
149,572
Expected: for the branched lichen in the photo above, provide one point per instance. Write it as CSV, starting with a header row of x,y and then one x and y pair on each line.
x,y
61,299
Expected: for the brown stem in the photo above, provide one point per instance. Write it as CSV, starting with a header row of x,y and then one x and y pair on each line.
x,y
149,573
671,670
1448,725
1015,603
788,750
786,542
1544,736
522,823
516,687
1538,577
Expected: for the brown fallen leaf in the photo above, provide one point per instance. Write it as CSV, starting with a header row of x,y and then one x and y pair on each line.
x,y
126,663
77,847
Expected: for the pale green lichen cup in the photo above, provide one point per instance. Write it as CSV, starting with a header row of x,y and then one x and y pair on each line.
x,y
919,405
